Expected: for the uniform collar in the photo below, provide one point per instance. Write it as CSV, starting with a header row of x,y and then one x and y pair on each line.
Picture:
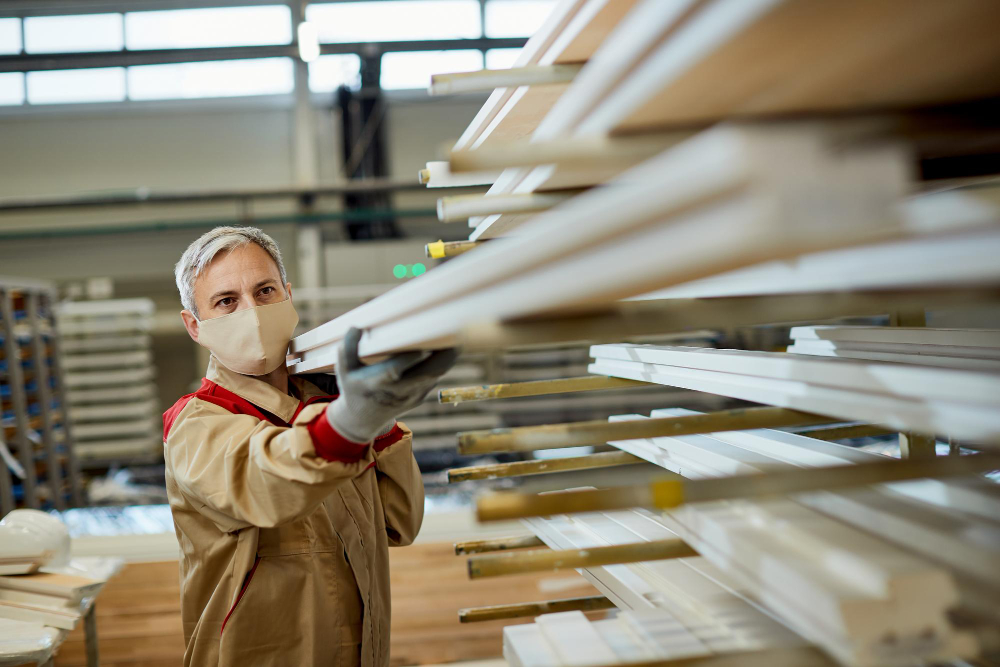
x,y
260,393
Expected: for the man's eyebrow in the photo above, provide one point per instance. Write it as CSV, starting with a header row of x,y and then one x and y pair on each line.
x,y
262,283
220,294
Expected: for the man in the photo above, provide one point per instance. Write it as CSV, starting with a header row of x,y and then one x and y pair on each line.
x,y
285,500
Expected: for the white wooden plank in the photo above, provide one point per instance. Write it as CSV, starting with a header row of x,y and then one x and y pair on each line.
x,y
962,421
965,259
710,27
485,81
826,609
900,513
106,378
90,396
889,379
119,360
731,59
439,175
105,307
992,353
972,338
100,430
958,363
454,209
574,641
531,54
521,275
73,345
706,608
115,411
665,638
979,498
117,449
116,325
631,40
16,611
526,646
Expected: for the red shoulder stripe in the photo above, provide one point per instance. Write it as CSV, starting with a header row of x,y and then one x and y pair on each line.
x,y
213,393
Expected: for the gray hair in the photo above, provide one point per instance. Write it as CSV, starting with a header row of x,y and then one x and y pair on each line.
x,y
200,253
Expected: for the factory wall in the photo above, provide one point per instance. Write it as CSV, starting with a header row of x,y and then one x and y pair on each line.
x,y
231,144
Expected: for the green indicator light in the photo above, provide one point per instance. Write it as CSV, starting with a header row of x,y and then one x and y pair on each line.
x,y
399,271
419,269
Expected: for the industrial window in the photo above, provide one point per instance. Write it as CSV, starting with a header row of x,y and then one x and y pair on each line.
x,y
389,21
327,73
10,36
11,88
196,28
516,18
77,85
413,69
66,34
225,78
501,58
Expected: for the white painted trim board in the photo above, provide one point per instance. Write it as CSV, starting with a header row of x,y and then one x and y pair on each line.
x,y
963,421
889,379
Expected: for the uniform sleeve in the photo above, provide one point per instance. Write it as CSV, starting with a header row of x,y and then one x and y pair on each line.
x,y
241,471
400,486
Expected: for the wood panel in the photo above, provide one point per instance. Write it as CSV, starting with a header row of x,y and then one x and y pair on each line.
x,y
795,56
139,622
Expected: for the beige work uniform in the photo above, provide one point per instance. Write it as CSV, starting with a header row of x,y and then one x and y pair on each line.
x,y
284,553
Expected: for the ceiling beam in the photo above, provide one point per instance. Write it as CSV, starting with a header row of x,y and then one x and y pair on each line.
x,y
59,61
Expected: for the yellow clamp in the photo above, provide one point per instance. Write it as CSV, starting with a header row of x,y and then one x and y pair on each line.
x,y
435,250
667,493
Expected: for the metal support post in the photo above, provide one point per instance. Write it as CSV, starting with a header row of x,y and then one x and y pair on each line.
x,y
40,358
6,485
90,636
72,464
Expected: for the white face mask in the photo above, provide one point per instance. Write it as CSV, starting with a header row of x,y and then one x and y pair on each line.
x,y
252,341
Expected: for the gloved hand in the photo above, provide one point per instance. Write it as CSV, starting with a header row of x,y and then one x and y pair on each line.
x,y
372,397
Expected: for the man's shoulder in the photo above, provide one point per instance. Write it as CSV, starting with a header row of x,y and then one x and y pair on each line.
x,y
212,399
207,396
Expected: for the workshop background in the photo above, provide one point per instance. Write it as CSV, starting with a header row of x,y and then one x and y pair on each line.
x,y
127,129
130,127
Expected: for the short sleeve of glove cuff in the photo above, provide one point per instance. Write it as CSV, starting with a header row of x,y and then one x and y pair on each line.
x,y
331,445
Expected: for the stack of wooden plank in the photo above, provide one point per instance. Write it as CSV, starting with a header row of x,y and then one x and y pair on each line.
x,y
959,403
56,600
725,198
683,65
976,349
685,592
811,560
931,519
568,639
691,185
111,378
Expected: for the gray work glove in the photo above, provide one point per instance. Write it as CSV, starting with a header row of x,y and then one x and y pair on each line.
x,y
372,397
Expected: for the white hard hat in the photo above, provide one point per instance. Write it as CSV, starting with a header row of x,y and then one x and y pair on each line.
x,y
34,536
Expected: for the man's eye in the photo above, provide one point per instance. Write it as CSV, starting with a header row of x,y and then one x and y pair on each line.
x,y
226,302
267,290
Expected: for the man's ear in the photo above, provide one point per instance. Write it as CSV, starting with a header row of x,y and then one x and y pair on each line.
x,y
191,324
288,290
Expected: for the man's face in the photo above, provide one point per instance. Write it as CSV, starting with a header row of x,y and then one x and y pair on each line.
x,y
243,278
